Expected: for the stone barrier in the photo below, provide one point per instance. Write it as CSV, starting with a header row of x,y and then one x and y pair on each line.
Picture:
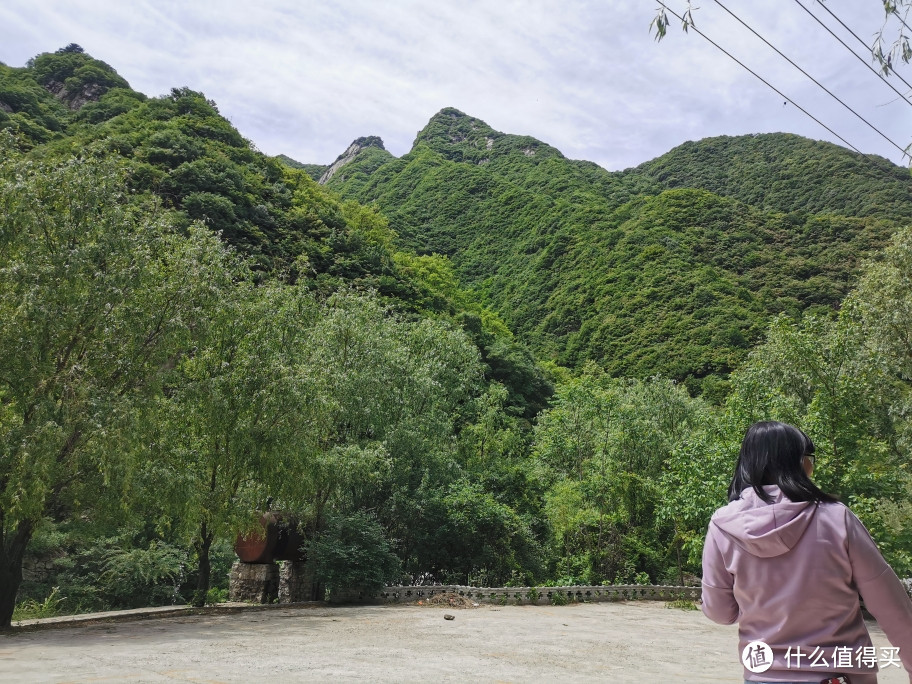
x,y
543,595
291,582
253,582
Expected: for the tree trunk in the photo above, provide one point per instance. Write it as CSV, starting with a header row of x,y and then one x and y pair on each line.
x,y
202,546
680,565
12,550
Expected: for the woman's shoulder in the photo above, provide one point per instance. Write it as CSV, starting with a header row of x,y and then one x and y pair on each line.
x,y
838,516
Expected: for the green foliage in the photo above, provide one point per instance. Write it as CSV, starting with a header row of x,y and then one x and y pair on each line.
x,y
215,596
312,170
114,102
98,297
589,265
30,609
27,109
882,304
695,483
481,540
353,553
73,69
780,172
136,577
559,599
607,444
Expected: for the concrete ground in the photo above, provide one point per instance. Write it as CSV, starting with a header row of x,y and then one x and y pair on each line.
x,y
604,642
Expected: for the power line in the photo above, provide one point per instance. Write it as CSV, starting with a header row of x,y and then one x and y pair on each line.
x,y
864,45
759,77
901,20
816,82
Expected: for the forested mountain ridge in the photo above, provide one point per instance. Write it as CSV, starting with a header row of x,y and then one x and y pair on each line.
x,y
260,289
191,331
672,268
784,172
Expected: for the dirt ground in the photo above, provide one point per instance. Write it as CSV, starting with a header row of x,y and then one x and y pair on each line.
x,y
604,642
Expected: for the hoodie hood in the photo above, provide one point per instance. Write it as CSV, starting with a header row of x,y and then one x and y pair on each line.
x,y
764,530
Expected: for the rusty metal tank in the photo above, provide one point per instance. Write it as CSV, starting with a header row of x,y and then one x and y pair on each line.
x,y
278,539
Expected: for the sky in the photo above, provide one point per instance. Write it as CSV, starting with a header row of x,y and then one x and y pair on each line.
x,y
306,77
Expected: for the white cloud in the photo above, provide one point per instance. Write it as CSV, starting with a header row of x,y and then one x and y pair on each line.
x,y
307,77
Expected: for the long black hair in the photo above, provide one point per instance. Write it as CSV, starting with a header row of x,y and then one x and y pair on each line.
x,y
771,454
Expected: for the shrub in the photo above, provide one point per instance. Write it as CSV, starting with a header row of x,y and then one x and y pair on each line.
x,y
353,552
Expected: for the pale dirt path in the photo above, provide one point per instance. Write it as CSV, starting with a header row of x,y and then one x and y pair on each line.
x,y
606,642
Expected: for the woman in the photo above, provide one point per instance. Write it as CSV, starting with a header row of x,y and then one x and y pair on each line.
x,y
787,562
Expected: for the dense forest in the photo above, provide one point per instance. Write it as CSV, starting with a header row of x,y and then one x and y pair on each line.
x,y
480,362
673,268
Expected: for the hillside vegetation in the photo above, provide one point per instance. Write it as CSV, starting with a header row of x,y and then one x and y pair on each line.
x,y
674,268
785,173
481,362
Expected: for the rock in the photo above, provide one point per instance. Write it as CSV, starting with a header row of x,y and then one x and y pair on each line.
x,y
349,154
447,616
254,582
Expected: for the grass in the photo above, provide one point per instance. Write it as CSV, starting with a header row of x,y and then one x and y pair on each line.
x,y
30,609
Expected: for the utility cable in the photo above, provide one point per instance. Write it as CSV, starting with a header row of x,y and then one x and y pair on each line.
x,y
816,82
901,20
864,45
758,76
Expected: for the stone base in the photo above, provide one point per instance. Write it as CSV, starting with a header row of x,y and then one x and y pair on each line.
x,y
253,582
296,583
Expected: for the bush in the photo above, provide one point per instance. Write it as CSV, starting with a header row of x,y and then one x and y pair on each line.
x,y
31,609
353,552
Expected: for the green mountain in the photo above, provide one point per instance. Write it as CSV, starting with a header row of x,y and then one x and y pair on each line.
x,y
784,172
179,149
312,170
672,268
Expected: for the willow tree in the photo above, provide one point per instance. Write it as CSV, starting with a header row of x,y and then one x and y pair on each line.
x,y
606,443
235,425
391,393
98,296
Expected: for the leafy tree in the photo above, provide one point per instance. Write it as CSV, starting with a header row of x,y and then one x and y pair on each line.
x,y
97,296
882,301
352,552
391,393
482,541
606,443
236,415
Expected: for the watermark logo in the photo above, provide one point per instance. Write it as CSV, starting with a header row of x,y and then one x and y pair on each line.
x,y
863,657
757,657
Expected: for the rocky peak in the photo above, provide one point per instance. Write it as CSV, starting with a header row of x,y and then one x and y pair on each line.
x,y
85,93
463,138
350,154
450,127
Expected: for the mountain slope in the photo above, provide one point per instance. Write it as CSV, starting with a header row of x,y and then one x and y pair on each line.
x,y
179,149
644,271
784,172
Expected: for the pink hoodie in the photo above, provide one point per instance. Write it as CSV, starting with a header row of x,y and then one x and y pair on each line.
x,y
789,573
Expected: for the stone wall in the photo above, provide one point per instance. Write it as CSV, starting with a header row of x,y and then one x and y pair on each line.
x,y
253,582
544,595
292,582
39,569
283,582
296,583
